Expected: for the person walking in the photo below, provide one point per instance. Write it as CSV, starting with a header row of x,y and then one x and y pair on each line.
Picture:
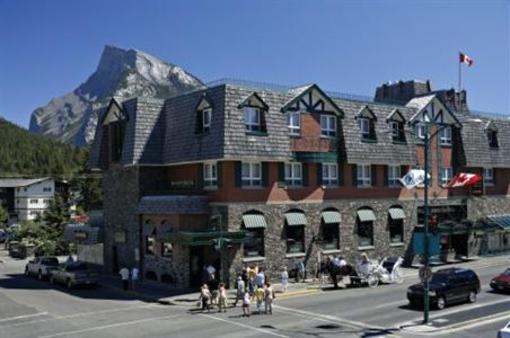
x,y
246,305
259,297
135,275
268,298
284,279
124,275
240,290
260,278
222,298
300,271
205,297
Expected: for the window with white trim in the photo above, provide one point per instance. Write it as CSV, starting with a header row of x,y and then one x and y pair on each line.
x,y
252,118
488,176
364,125
420,131
293,174
329,174
294,123
445,135
34,201
328,125
210,174
47,189
251,174
206,119
393,175
445,175
364,173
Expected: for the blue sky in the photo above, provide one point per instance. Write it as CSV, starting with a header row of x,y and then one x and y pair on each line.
x,y
47,48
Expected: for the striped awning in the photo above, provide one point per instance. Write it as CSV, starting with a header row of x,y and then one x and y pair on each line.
x,y
366,215
331,217
397,213
254,221
502,221
295,218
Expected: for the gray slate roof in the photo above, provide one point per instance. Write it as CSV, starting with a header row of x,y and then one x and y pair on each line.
x,y
20,182
173,204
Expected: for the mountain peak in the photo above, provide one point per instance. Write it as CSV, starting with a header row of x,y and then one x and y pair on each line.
x,y
120,73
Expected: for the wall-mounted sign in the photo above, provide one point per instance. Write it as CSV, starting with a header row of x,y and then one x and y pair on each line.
x,y
80,235
119,236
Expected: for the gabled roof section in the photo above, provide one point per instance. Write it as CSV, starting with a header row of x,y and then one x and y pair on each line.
x,y
254,100
396,115
491,126
114,112
204,103
311,99
431,109
367,113
20,182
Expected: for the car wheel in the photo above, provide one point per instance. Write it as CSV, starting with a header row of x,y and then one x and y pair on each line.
x,y
40,275
441,303
472,297
373,281
69,284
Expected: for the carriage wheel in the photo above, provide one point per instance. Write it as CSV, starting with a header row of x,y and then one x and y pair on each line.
x,y
398,276
373,281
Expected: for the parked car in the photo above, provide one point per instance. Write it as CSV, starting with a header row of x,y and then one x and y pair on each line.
x,y
17,249
504,332
501,282
447,286
41,266
75,274
3,236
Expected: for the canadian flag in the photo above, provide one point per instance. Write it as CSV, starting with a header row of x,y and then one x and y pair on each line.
x,y
463,58
464,179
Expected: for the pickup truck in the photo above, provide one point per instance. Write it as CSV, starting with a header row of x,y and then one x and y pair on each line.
x,y
74,274
41,267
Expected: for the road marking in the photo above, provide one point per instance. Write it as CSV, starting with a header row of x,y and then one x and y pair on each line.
x,y
75,315
245,326
109,326
475,322
24,316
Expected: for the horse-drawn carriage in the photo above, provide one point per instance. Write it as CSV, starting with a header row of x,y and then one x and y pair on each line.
x,y
370,273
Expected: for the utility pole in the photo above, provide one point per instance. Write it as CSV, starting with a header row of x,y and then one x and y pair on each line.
x,y
426,305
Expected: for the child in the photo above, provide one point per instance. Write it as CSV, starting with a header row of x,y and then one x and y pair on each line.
x,y
284,279
246,304
259,296
268,298
222,301
205,297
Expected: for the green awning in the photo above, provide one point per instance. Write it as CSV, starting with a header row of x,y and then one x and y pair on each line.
x,y
331,217
198,238
315,157
295,218
366,215
501,221
254,221
397,213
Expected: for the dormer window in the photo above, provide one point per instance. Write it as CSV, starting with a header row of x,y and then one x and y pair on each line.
x,y
364,125
252,119
206,119
420,131
396,122
328,125
294,123
492,136
445,135
366,120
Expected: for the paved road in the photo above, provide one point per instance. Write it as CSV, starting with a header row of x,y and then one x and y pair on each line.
x,y
29,308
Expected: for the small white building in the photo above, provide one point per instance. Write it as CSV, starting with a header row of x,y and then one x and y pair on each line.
x,y
24,198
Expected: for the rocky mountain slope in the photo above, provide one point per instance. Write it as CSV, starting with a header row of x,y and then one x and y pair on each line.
x,y
121,73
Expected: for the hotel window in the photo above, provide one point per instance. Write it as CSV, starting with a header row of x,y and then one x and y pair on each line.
x,y
397,131
420,131
294,123
34,201
396,229
293,174
365,227
210,175
445,135
252,119
488,176
328,125
330,174
251,174
445,175
206,119
364,125
393,175
364,173
492,135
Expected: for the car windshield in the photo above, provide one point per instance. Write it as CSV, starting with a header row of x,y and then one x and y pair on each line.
x,y
77,267
507,272
439,278
51,261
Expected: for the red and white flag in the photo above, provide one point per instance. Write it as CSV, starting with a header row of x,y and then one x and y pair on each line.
x,y
463,58
463,179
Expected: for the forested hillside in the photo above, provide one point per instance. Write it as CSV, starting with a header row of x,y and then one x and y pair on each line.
x,y
25,154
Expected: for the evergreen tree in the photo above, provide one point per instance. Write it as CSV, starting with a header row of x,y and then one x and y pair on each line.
x,y
4,215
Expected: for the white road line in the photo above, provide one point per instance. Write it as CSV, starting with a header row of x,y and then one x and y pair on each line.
x,y
24,316
75,315
242,325
109,326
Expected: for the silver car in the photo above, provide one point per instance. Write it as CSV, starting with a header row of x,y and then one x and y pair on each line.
x,y
75,274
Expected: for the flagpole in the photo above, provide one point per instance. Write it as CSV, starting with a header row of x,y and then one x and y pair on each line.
x,y
460,73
